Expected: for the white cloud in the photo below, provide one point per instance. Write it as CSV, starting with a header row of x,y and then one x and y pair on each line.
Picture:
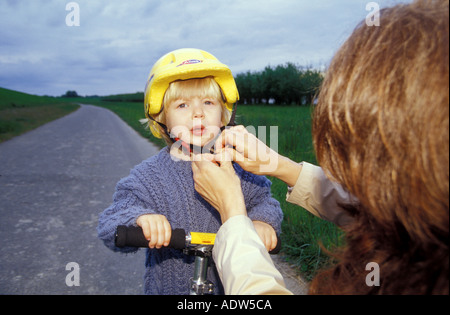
x,y
117,42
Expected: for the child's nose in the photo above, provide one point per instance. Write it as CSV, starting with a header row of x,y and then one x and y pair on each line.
x,y
198,111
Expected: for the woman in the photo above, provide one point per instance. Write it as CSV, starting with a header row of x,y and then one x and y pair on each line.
x,y
380,130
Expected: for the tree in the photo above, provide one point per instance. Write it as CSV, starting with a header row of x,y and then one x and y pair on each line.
x,y
311,82
70,94
284,84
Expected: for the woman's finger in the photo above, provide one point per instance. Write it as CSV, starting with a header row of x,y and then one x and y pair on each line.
x,y
232,138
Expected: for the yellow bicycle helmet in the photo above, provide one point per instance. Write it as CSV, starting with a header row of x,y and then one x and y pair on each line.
x,y
184,64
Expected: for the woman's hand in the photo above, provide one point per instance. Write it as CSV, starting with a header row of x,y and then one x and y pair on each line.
x,y
217,183
255,157
247,150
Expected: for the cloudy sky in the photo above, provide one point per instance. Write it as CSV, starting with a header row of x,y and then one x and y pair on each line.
x,y
117,42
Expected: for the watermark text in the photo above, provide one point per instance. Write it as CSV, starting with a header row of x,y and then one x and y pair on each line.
x,y
373,18
73,277
73,17
373,277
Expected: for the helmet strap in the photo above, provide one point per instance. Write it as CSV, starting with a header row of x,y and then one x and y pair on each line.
x,y
233,117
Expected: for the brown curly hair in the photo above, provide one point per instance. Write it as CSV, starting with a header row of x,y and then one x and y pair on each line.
x,y
381,129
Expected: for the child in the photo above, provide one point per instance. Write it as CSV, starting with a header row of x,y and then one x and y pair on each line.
x,y
188,99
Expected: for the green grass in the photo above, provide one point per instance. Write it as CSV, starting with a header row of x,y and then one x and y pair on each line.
x,y
21,112
304,235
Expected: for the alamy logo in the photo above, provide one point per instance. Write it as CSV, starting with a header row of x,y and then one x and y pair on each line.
x,y
73,17
73,277
373,18
373,277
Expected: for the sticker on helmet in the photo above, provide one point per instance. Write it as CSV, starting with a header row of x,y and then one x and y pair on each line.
x,y
189,62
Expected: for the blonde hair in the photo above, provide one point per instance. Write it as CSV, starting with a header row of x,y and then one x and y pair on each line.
x,y
186,89
381,129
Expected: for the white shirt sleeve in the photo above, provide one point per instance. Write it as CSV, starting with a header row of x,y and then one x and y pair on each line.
x,y
244,265
315,192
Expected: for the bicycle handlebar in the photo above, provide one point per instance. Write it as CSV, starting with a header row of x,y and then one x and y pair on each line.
x,y
133,236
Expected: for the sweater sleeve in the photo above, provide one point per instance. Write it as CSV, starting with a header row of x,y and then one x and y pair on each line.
x,y
260,204
130,201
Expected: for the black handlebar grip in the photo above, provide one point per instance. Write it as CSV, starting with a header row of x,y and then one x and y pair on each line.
x,y
133,236
178,239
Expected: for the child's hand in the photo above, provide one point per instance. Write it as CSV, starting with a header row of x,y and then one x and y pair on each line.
x,y
156,228
267,234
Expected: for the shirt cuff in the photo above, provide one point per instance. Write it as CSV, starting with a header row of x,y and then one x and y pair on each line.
x,y
299,193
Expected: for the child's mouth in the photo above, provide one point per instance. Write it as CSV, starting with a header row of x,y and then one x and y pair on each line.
x,y
198,130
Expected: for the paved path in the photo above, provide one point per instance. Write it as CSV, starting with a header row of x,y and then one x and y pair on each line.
x,y
54,181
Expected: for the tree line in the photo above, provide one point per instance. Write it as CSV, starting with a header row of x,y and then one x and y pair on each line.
x,y
284,84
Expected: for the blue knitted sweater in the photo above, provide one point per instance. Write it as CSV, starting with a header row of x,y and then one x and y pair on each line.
x,y
164,186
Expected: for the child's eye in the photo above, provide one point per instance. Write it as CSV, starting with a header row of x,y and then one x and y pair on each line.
x,y
182,105
207,102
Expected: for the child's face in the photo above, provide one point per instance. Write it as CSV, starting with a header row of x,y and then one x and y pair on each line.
x,y
195,120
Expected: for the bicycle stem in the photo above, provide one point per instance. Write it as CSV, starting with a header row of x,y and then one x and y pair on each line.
x,y
199,285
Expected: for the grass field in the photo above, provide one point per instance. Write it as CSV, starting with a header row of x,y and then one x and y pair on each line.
x,y
303,235
21,112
